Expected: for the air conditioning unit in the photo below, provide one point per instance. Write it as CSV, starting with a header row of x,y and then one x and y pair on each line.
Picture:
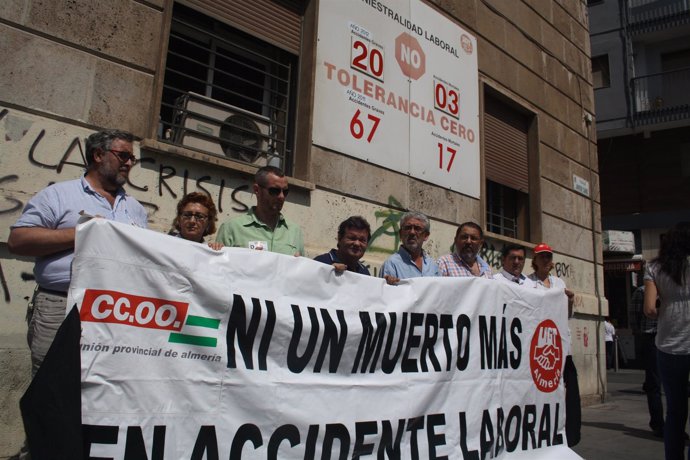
x,y
214,127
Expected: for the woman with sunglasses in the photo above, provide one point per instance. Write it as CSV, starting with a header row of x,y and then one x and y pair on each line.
x,y
668,276
196,218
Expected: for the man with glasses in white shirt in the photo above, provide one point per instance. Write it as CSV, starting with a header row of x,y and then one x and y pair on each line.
x,y
46,229
513,258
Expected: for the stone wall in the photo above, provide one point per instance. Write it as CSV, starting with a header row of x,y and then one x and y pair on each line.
x,y
73,66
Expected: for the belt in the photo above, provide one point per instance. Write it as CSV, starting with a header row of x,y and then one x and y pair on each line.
x,y
52,292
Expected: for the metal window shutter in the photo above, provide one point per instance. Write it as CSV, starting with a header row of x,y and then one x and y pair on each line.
x,y
505,145
270,21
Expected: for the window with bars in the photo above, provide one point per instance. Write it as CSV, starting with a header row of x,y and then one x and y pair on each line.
x,y
226,92
505,210
506,166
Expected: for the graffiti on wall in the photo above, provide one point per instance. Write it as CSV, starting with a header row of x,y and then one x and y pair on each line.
x,y
167,179
164,174
562,269
492,255
5,288
11,204
55,159
389,226
582,335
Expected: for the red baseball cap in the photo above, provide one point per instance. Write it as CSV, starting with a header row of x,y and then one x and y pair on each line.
x,y
542,247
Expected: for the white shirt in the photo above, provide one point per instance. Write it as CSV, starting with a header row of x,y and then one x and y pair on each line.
x,y
507,277
556,283
609,331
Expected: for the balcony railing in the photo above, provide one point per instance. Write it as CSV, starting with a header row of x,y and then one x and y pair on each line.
x,y
661,97
651,15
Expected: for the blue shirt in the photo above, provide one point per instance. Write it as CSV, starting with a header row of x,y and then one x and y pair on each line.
x,y
402,266
332,257
58,206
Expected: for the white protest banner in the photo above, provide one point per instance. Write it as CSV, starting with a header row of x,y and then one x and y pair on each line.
x,y
397,85
190,353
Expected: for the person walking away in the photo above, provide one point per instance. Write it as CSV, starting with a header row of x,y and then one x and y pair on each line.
x,y
668,277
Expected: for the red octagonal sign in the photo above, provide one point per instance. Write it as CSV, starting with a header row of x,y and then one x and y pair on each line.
x,y
410,56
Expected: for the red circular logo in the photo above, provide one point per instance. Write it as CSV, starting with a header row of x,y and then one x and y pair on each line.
x,y
546,356
466,43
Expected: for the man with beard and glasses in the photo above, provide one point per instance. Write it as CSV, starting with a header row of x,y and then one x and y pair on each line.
x,y
353,239
465,260
263,227
411,261
46,229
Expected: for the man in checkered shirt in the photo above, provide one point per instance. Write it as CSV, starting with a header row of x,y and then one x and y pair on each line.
x,y
465,260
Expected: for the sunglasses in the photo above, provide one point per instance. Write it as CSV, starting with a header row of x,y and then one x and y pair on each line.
x,y
416,228
275,191
194,215
124,156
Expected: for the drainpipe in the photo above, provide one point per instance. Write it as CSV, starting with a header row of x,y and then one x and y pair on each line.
x,y
589,122
629,63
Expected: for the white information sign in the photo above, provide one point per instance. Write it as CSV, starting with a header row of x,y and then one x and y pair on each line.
x,y
397,85
190,353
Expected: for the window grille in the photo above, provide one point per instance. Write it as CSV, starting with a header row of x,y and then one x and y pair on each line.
x,y
501,210
227,93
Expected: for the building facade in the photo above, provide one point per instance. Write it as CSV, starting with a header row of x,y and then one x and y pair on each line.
x,y
215,89
641,76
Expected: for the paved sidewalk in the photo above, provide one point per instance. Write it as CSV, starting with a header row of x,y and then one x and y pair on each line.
x,y
618,429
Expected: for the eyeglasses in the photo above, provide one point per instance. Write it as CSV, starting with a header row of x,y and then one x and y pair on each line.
x,y
194,215
124,156
471,238
416,228
275,191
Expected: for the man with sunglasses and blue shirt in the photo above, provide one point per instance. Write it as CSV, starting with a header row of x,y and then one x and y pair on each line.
x,y
46,228
264,227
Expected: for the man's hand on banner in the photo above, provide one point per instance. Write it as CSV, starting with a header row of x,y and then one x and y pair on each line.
x,y
85,217
340,268
215,245
392,280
